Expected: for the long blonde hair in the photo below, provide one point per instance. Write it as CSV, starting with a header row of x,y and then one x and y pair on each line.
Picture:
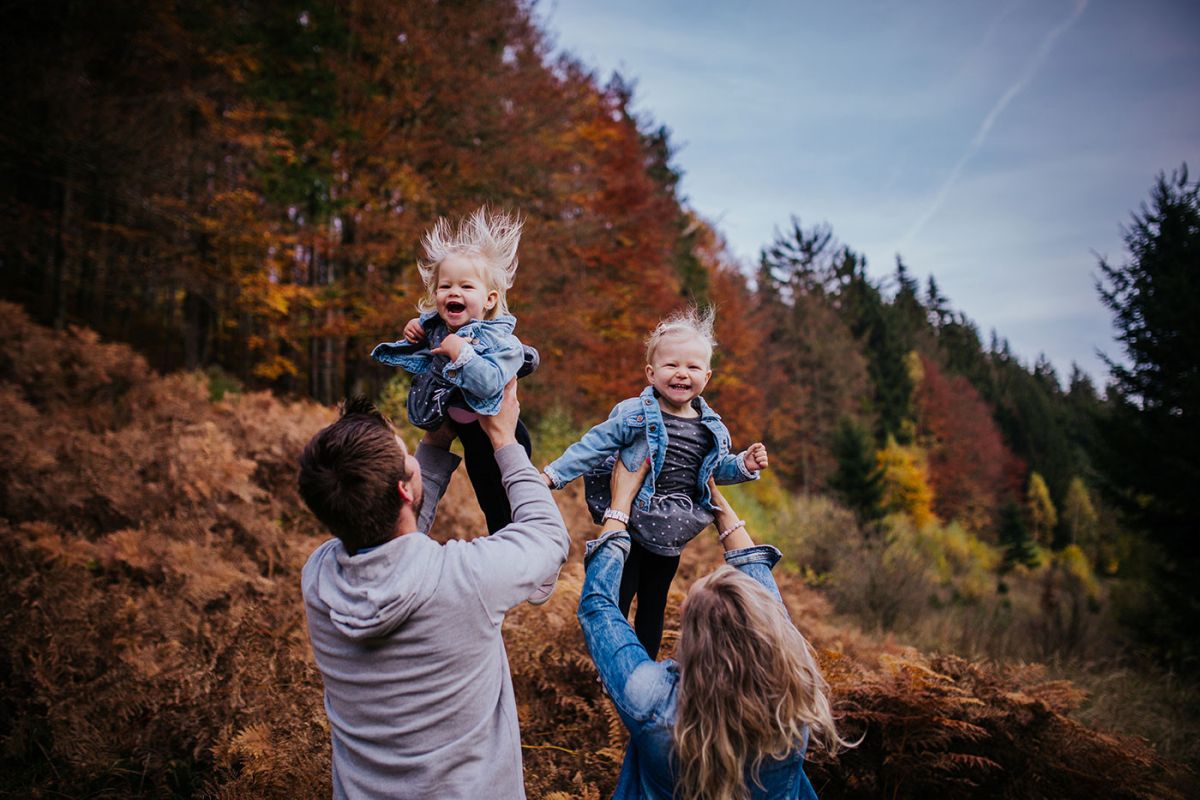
x,y
748,687
489,237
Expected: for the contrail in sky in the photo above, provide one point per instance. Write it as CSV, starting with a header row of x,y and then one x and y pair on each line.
x,y
985,127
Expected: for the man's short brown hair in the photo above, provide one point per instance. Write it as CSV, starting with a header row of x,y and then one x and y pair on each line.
x,y
349,474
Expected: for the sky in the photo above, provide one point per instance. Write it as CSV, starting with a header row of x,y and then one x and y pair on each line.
x,y
998,146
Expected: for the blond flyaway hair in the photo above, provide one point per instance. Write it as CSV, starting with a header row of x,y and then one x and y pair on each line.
x,y
489,238
691,322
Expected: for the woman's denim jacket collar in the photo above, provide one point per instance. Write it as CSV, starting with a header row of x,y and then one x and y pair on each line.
x,y
486,364
635,428
645,692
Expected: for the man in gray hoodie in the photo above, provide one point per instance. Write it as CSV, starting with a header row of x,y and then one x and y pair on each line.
x,y
406,631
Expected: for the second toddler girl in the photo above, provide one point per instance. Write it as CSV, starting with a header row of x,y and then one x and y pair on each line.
x,y
687,444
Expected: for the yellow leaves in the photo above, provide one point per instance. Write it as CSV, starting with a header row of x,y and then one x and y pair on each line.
x,y
1078,569
906,482
275,367
1042,514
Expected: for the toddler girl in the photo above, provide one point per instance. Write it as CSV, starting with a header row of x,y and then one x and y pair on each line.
x,y
687,444
461,349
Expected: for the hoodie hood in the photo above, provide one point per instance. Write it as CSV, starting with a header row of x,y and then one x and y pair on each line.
x,y
373,593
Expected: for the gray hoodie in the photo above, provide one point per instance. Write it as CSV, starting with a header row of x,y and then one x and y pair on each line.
x,y
407,637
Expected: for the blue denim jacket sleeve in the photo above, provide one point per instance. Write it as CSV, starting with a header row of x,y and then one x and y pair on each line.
x,y
757,562
593,448
731,468
411,356
484,367
629,675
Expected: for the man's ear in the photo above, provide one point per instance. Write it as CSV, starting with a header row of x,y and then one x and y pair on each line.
x,y
405,493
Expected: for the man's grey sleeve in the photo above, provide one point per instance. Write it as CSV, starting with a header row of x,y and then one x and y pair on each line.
x,y
437,465
511,563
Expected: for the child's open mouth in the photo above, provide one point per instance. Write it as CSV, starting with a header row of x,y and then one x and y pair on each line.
x,y
455,307
680,387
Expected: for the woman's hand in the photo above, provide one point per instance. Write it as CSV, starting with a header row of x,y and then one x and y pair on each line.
x,y
726,519
624,486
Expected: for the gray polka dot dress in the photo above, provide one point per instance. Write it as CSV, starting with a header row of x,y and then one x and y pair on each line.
x,y
675,515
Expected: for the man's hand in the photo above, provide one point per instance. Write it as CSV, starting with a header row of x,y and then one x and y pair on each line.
x,y
451,346
755,457
502,428
413,332
548,481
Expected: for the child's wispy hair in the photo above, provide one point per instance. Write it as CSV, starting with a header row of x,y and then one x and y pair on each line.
x,y
690,322
490,237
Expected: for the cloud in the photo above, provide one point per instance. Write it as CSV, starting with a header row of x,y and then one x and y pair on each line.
x,y
1027,74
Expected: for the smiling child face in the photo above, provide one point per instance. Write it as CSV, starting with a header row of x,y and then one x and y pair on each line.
x,y
679,371
462,293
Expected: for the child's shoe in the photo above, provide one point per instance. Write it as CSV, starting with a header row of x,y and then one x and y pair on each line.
x,y
542,593
531,362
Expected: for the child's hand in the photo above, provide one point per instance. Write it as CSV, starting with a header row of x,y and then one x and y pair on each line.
x,y
451,346
755,457
413,332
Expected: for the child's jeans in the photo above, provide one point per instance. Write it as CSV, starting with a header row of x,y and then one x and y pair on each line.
x,y
480,458
649,576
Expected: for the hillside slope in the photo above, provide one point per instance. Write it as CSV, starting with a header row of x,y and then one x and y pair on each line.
x,y
151,541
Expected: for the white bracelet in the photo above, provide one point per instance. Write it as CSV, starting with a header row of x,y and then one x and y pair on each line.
x,y
619,516
741,523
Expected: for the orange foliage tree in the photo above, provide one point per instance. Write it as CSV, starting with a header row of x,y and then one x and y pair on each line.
x,y
971,469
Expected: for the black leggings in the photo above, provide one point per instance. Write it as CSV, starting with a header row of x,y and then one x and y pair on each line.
x,y
484,473
649,576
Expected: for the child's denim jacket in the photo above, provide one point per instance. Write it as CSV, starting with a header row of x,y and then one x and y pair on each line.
x,y
484,367
645,692
635,428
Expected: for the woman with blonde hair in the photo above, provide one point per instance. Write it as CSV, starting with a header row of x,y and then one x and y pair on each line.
x,y
733,716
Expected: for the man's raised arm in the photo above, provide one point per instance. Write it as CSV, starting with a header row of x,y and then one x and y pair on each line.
x,y
512,562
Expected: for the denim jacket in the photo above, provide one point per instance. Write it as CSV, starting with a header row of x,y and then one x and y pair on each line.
x,y
645,691
635,428
486,364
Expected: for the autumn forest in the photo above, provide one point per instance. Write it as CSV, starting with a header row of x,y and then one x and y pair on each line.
x,y
212,211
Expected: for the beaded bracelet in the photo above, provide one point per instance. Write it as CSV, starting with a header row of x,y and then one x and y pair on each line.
x,y
741,523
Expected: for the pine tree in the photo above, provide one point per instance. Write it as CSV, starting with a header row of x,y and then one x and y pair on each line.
x,y
1153,433
858,480
1014,537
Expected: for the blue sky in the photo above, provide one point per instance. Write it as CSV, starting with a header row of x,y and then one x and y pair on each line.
x,y
999,146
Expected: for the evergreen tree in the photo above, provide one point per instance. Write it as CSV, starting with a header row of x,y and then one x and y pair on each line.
x,y
1153,433
858,480
1014,537
884,343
